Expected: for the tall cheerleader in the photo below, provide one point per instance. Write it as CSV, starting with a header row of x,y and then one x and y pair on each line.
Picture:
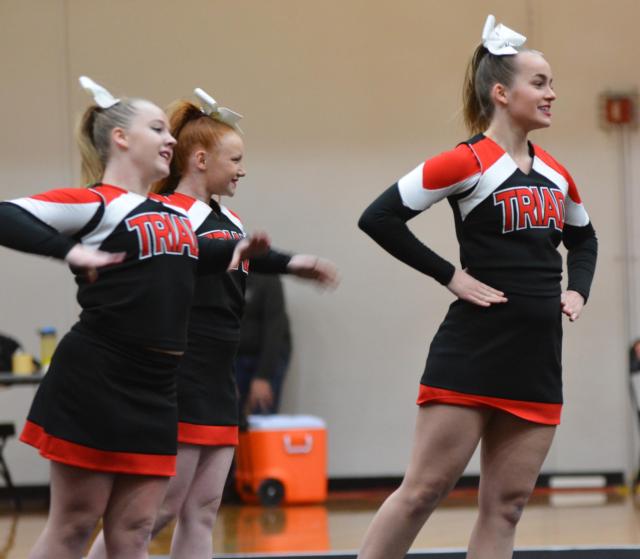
x,y
105,413
493,373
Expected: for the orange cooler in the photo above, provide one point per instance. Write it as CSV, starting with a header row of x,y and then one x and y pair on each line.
x,y
283,459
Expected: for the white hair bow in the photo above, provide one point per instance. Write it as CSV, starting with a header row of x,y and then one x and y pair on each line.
x,y
211,108
499,39
101,96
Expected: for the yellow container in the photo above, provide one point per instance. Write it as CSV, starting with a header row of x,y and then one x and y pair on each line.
x,y
48,342
21,363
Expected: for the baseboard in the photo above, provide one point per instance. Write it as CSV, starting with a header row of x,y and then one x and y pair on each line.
x,y
26,493
545,480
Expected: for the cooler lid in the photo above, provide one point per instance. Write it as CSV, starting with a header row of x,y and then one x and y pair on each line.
x,y
278,422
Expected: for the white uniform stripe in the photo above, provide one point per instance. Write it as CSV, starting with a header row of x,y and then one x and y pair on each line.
x,y
575,214
418,198
114,213
65,218
495,175
198,212
178,209
233,218
549,172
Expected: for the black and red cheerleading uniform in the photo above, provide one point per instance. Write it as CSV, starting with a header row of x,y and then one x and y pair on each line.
x,y
509,225
207,396
108,400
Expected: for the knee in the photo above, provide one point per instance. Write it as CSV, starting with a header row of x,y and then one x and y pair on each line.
x,y
168,512
202,510
509,508
77,531
128,534
513,508
74,523
422,500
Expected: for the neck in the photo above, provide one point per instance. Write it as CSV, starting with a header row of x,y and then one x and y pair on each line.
x,y
194,187
511,138
127,177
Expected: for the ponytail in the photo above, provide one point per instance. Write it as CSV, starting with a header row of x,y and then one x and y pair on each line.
x,y
483,72
92,167
94,136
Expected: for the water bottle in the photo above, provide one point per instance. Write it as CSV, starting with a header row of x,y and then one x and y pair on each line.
x,y
48,342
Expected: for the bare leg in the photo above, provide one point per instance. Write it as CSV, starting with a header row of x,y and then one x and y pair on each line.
x,y
78,499
186,464
444,441
131,514
513,451
189,457
192,535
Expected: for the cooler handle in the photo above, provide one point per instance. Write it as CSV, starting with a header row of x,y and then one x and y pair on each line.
x,y
293,448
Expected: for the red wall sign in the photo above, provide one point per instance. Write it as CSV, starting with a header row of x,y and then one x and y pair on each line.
x,y
619,109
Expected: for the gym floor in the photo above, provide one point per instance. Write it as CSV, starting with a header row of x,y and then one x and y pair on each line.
x,y
598,519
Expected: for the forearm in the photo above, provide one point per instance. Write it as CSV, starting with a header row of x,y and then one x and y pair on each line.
x,y
22,231
214,254
274,262
582,254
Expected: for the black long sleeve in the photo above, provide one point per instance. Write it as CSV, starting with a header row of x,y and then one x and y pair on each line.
x,y
582,254
215,254
274,262
22,231
385,222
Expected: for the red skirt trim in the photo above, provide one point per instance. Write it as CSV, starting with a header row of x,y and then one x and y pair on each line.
x,y
538,412
208,435
81,456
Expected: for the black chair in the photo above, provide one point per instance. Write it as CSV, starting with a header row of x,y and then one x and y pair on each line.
x,y
8,430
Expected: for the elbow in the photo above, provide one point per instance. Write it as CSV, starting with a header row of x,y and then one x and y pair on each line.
x,y
362,223
367,222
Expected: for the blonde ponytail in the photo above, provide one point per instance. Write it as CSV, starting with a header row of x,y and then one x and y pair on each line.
x,y
483,72
94,136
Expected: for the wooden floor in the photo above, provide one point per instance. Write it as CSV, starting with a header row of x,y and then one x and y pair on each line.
x,y
589,519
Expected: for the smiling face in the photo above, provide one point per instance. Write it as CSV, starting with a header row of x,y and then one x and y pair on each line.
x,y
224,165
528,99
148,141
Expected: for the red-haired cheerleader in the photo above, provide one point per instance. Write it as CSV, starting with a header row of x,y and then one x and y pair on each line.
x,y
208,165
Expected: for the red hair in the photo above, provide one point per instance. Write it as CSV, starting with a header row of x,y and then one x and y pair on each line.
x,y
193,130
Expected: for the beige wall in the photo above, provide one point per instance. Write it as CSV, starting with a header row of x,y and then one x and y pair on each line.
x,y
340,97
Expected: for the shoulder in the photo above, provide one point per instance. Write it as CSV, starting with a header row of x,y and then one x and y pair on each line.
x,y
182,204
485,150
232,216
449,168
551,161
552,164
69,196
175,199
449,173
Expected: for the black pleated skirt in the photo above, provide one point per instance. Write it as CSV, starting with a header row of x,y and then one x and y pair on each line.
x,y
510,351
207,394
106,406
